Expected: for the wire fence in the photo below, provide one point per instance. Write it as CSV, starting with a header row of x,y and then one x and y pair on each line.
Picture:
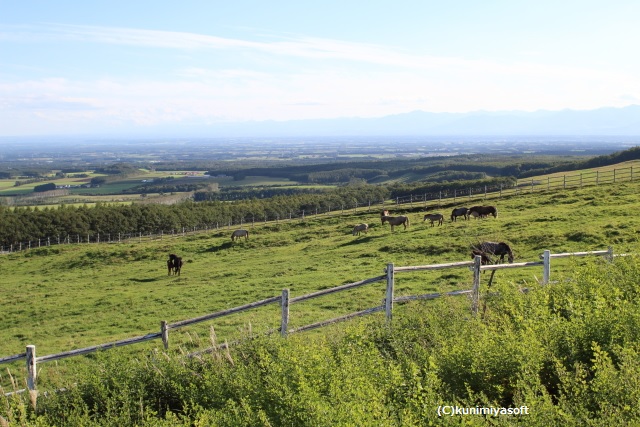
x,y
426,201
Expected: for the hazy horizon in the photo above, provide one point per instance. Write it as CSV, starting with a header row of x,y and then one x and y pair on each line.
x,y
144,68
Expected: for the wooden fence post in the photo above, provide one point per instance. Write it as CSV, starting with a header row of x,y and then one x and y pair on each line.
x,y
475,294
164,330
284,303
546,272
610,254
31,367
388,302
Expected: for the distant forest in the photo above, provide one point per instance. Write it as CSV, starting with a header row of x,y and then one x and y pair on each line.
x,y
236,204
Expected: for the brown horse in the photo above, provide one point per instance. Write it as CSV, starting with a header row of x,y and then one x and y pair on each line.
x,y
434,218
396,220
238,234
484,258
360,228
483,211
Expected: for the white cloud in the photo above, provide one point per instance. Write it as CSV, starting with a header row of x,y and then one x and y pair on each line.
x,y
315,78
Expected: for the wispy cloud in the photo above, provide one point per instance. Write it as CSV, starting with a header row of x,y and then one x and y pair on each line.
x,y
283,45
282,77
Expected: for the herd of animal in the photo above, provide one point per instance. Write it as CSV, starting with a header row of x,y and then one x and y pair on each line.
x,y
486,250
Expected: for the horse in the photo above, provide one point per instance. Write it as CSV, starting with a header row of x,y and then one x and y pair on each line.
x,y
177,265
484,258
433,218
174,263
496,248
384,213
238,234
463,212
360,227
476,215
396,220
169,266
484,211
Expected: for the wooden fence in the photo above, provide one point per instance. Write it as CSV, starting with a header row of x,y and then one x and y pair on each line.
x,y
426,200
285,301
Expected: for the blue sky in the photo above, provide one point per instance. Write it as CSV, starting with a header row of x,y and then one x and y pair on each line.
x,y
92,67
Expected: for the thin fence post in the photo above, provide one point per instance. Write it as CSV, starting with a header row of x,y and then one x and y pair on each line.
x,y
31,367
475,293
164,330
546,272
388,302
284,304
610,254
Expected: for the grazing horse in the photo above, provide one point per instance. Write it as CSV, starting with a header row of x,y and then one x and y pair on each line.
x,y
498,249
238,234
463,212
360,227
476,215
484,211
484,258
396,220
174,263
433,218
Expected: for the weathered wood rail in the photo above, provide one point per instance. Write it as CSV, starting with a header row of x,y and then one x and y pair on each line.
x,y
286,301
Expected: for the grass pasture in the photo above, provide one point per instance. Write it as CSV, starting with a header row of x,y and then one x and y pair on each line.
x,y
72,296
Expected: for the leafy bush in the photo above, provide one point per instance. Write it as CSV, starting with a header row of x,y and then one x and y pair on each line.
x,y
570,352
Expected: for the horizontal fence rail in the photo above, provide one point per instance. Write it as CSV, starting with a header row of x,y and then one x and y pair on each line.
x,y
426,200
285,302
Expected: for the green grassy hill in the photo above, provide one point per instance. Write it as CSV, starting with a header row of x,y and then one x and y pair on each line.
x,y
73,296
68,296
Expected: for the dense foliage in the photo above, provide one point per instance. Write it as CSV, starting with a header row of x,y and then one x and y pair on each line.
x,y
27,224
569,352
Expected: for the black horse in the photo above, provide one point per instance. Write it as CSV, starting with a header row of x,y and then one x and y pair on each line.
x,y
463,212
500,249
174,263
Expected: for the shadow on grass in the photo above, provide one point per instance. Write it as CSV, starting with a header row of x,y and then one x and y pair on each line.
x,y
360,241
147,280
220,247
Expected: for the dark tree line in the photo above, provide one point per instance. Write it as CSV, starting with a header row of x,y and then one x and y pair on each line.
x,y
32,224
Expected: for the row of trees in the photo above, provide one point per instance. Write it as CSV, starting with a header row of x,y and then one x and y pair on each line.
x,y
211,208
32,224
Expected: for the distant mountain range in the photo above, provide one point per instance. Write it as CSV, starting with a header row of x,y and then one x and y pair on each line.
x,y
604,121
